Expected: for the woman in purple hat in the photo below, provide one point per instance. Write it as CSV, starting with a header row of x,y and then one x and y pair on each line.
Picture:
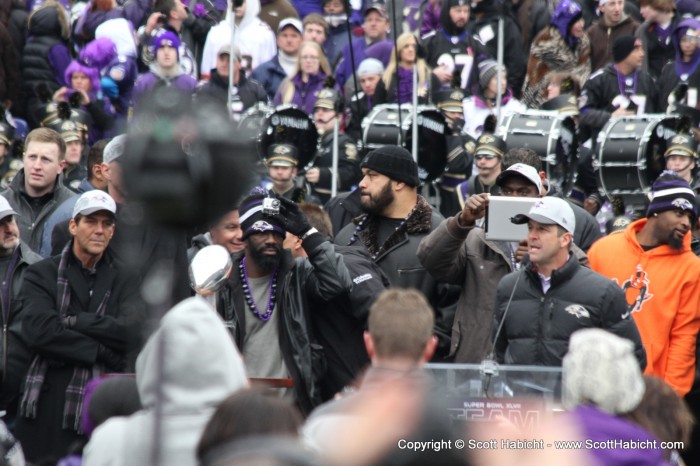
x,y
562,46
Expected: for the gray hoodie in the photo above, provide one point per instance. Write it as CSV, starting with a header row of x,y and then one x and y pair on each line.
x,y
201,368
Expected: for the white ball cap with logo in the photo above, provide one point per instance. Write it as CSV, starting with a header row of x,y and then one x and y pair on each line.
x,y
94,201
5,208
550,210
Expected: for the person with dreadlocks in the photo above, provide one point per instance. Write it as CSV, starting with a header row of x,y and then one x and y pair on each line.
x,y
394,221
80,308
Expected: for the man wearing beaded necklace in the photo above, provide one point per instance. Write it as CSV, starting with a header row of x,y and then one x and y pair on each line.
x,y
621,88
265,302
396,219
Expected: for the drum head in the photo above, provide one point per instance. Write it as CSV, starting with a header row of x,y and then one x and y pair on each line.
x,y
382,126
630,155
432,143
553,136
253,118
287,124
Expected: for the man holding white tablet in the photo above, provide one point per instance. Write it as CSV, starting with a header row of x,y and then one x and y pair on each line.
x,y
457,252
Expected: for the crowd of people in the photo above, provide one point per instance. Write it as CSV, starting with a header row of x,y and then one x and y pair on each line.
x,y
347,267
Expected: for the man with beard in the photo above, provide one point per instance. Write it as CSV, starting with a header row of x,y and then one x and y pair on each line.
x,y
652,262
264,302
396,218
451,46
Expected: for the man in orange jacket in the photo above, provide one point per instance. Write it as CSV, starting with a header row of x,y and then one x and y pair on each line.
x,y
652,262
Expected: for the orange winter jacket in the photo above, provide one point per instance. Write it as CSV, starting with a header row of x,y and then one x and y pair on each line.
x,y
662,287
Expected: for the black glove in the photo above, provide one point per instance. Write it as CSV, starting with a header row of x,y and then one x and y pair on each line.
x,y
293,218
111,359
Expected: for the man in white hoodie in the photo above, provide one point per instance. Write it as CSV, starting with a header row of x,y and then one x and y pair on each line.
x,y
174,374
257,47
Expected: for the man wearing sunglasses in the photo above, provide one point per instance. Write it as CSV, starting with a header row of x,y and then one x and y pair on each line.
x,y
487,161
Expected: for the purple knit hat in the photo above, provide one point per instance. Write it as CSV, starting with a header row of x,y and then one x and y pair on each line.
x,y
98,53
566,13
166,38
671,192
92,73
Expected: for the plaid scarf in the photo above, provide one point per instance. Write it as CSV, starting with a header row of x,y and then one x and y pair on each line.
x,y
73,406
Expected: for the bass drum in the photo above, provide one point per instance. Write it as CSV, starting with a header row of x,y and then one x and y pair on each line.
x,y
630,155
289,125
553,136
432,142
252,120
383,126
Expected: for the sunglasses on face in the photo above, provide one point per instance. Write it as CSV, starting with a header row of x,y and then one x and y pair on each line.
x,y
485,156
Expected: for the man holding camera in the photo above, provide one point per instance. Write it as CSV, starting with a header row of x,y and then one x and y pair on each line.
x,y
458,252
265,300
540,306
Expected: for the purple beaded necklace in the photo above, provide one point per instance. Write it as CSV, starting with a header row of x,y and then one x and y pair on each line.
x,y
249,296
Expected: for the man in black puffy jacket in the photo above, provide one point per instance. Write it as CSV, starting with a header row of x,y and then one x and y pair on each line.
x,y
542,304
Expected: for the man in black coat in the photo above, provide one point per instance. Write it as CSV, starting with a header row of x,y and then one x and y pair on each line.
x,y
542,304
265,302
80,309
621,88
396,219
15,257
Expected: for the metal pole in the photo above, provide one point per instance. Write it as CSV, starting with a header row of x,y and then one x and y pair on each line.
x,y
414,129
334,168
399,120
499,75
231,58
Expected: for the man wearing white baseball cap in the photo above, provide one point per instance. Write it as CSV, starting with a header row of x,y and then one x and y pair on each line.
x,y
81,308
552,296
15,257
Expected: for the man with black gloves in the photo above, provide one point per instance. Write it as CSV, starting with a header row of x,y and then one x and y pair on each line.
x,y
451,46
80,310
396,218
264,303
622,88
